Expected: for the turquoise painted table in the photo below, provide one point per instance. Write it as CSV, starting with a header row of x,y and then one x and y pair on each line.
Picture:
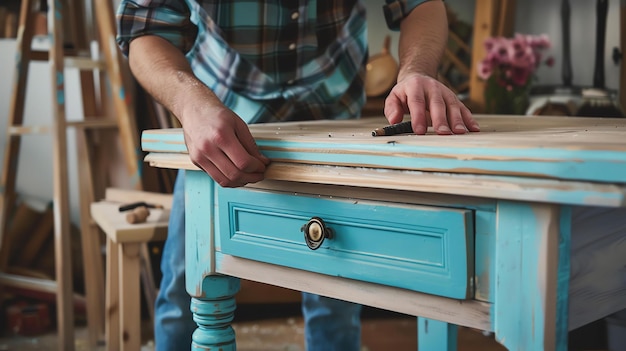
x,y
519,229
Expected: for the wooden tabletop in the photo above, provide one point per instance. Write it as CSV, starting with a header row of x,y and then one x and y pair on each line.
x,y
523,150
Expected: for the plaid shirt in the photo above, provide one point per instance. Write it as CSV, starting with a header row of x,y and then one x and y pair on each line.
x,y
268,60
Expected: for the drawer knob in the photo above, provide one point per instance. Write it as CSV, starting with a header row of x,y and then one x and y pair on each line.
x,y
315,231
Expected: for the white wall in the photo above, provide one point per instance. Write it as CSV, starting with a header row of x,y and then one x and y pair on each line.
x,y
537,17
532,17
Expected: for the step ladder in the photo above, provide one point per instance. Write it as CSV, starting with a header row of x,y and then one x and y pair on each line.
x,y
66,18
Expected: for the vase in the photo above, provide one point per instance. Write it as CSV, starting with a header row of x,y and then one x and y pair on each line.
x,y
501,100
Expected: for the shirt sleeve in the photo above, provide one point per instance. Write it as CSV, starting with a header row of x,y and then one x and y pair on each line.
x,y
396,10
168,19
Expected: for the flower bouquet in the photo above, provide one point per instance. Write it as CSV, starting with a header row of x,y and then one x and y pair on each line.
x,y
509,69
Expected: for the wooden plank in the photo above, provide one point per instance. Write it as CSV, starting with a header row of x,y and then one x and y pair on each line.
x,y
538,147
91,240
468,313
83,63
65,313
572,134
597,287
130,321
45,129
112,315
513,188
468,185
36,284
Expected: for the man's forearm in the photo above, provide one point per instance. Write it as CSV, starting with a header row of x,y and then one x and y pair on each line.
x,y
166,75
423,36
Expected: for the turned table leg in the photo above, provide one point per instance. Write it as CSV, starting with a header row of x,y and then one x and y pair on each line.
x,y
214,313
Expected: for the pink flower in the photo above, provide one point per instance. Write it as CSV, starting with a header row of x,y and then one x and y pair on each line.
x,y
513,60
484,69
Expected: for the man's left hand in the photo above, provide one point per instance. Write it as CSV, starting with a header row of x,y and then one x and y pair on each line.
x,y
429,102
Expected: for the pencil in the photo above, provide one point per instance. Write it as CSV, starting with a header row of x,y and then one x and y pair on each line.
x,y
398,128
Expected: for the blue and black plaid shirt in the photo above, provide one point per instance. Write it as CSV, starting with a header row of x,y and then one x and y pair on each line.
x,y
268,60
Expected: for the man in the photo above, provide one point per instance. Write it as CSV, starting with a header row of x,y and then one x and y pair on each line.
x,y
219,65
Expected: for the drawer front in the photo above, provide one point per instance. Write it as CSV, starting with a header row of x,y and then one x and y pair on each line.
x,y
422,248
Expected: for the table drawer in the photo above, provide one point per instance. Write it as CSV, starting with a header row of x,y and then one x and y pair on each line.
x,y
422,248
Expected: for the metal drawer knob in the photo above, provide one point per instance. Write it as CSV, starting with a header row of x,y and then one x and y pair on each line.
x,y
315,231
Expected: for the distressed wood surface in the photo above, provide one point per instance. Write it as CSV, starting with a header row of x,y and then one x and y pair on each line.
x,y
598,264
539,147
468,313
475,185
531,241
522,246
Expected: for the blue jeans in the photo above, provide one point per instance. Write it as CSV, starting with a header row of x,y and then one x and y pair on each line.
x,y
330,325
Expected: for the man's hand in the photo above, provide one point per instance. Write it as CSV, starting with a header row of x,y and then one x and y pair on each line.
x,y
423,37
429,102
220,143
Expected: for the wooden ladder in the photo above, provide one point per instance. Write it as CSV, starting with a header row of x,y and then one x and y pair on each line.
x,y
63,13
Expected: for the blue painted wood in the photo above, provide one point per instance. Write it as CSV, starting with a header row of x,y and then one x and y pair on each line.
x,y
213,296
427,249
563,278
534,157
199,230
485,246
521,310
604,166
214,313
508,244
436,335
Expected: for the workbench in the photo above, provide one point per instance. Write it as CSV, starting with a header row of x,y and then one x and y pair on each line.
x,y
519,229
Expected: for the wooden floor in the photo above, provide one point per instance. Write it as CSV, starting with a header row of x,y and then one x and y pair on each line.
x,y
267,328
280,328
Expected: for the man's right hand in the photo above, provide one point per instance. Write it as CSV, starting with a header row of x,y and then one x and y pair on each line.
x,y
220,143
